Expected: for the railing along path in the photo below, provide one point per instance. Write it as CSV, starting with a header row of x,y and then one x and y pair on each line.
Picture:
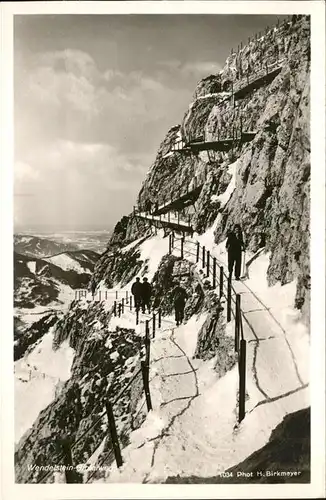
x,y
147,332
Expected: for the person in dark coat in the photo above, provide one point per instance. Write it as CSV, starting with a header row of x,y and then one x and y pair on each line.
x,y
146,295
148,206
136,290
235,245
179,301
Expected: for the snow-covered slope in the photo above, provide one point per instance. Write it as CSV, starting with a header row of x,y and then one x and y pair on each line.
x,y
81,261
37,379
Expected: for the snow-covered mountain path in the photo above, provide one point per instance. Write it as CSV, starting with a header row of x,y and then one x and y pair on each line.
x,y
193,427
279,347
276,368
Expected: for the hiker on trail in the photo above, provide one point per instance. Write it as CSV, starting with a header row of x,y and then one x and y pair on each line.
x,y
179,301
146,295
148,206
136,290
235,245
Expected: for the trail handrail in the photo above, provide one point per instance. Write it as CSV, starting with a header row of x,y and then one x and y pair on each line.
x,y
196,183
103,413
240,344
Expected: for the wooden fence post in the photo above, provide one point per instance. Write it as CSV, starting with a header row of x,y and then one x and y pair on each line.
x,y
106,295
221,281
242,379
159,317
71,474
115,308
113,432
145,374
208,258
237,321
130,302
197,251
154,324
182,243
214,272
127,297
119,309
137,315
122,305
228,315
203,256
147,342
116,294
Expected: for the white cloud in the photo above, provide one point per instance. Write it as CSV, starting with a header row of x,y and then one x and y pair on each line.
x,y
50,88
24,172
198,68
205,67
85,137
73,181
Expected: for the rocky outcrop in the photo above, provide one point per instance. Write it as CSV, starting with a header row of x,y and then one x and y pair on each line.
x,y
284,459
26,336
118,266
173,270
212,340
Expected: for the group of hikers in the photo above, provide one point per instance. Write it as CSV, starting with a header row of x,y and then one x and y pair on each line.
x,y
142,292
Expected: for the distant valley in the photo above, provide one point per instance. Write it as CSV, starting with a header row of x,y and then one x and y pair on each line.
x,y
44,244
46,273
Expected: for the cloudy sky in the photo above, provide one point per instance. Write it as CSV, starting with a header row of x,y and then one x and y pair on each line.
x,y
95,96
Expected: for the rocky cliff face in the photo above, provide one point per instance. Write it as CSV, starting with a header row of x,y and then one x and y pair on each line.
x,y
268,120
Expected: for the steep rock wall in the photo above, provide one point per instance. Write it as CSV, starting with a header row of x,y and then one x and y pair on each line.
x,y
271,196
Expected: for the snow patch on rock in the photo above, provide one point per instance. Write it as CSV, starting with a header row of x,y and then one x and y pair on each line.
x,y
36,377
67,263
